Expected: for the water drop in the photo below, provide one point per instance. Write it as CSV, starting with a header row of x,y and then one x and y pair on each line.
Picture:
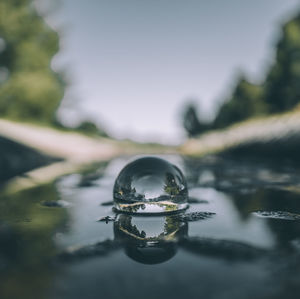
x,y
150,185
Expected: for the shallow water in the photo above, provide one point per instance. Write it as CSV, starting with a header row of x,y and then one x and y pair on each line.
x,y
240,237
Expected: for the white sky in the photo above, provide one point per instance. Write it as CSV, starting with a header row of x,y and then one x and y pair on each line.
x,y
134,63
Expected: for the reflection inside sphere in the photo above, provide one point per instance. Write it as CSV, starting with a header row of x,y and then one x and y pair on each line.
x,y
150,185
149,240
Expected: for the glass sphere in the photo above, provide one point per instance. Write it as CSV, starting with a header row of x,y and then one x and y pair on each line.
x,y
150,185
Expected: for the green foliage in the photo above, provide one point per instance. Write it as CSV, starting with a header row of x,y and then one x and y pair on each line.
x,y
85,127
282,87
191,121
279,92
246,101
90,128
32,90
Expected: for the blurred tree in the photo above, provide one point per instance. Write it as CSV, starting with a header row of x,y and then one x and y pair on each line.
x,y
191,121
282,86
246,101
279,92
30,90
90,128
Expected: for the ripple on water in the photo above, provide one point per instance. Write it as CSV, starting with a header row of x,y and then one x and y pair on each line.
x,y
277,215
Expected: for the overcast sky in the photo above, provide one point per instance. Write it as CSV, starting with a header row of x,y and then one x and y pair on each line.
x,y
134,63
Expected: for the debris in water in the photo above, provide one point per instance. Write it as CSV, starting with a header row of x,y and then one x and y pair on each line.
x,y
277,215
106,219
55,204
107,203
195,216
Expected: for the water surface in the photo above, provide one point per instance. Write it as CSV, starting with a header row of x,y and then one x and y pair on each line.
x,y
238,239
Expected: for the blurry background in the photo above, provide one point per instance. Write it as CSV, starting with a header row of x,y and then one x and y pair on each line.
x,y
147,70
167,71
134,64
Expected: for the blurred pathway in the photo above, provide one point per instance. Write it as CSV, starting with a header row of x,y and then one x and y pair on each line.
x,y
77,150
68,145
269,135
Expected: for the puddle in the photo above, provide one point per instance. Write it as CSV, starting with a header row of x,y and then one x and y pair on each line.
x,y
239,238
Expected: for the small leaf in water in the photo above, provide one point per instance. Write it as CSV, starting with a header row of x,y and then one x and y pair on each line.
x,y
277,215
195,216
106,219
55,204
107,203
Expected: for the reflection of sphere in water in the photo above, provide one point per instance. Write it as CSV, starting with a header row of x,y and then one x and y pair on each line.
x,y
150,185
149,240
151,255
